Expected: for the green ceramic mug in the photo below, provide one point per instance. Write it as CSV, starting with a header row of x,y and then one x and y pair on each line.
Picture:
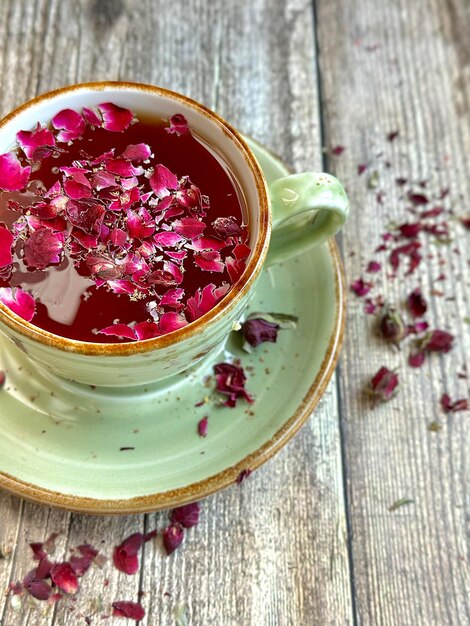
x,y
303,210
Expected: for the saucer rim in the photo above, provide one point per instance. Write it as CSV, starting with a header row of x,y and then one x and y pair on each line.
x,y
212,484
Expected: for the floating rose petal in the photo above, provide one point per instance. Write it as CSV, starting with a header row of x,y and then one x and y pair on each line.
x,y
13,176
123,331
43,210
126,200
115,118
36,144
146,330
87,214
64,577
172,538
416,303
186,515
209,261
171,321
91,117
6,242
235,268
129,183
129,610
225,227
38,550
230,382
384,384
42,248
122,167
202,427
118,237
103,180
204,300
70,124
80,564
162,181
172,298
137,152
76,190
241,252
258,330
361,287
178,124
189,227
103,267
174,270
209,243
141,224
452,407
167,239
20,302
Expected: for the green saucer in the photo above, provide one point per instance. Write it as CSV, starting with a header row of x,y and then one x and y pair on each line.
x,y
112,451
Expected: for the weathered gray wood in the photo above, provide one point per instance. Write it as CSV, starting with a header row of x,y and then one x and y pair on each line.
x,y
404,66
273,551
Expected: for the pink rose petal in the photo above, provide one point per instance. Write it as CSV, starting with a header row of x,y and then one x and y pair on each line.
x,y
115,118
137,152
91,117
76,190
36,144
241,252
209,261
162,181
129,610
20,302
123,331
204,300
42,248
64,577
103,180
172,538
207,243
122,167
235,268
171,321
186,515
13,176
6,242
230,381
86,213
70,124
146,330
178,125
189,227
174,270
172,298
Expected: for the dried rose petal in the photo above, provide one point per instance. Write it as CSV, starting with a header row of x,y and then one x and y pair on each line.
x,y
417,328
230,381
374,267
64,577
209,261
337,150
209,243
103,180
125,557
361,287
243,475
40,590
167,239
410,250
417,198
361,168
235,268
392,135
438,341
76,190
13,176
410,231
172,537
204,300
42,248
202,427
70,124
171,321
178,124
452,407
137,152
87,214
20,302
186,515
225,227
130,610
162,181
392,327
416,303
36,144
123,331
6,242
383,384
146,330
416,359
257,330
115,118
189,227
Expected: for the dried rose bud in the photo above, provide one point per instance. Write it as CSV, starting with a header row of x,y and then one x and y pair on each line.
x,y
392,327
384,384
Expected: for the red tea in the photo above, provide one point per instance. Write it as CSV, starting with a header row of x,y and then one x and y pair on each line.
x,y
122,230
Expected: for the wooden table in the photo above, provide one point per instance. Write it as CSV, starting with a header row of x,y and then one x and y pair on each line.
x,y
309,539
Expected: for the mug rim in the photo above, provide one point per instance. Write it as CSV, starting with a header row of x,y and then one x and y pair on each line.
x,y
239,289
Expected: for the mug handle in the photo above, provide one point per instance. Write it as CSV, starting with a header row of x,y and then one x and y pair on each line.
x,y
307,210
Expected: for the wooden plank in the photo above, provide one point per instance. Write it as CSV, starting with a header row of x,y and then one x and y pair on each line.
x,y
273,551
403,66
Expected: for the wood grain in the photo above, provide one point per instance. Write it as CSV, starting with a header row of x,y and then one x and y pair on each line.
x,y
273,551
403,66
